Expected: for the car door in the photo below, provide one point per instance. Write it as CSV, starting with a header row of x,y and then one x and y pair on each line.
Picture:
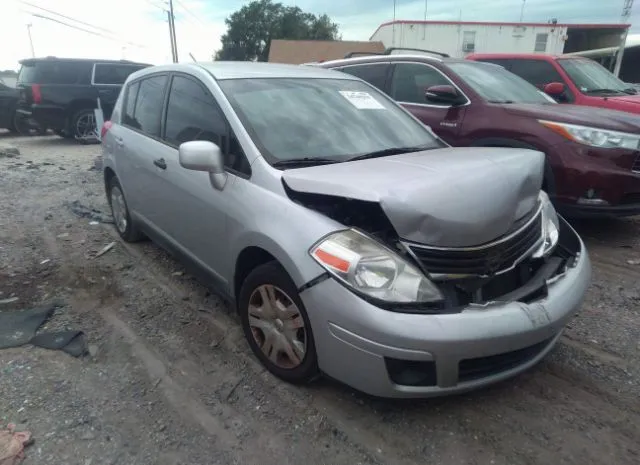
x,y
140,166
409,82
540,73
195,213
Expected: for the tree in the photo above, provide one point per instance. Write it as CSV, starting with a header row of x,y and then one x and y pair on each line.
x,y
251,29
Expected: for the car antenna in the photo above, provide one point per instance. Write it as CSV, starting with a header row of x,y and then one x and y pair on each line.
x,y
192,57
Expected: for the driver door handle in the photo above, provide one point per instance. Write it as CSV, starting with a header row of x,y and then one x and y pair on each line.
x,y
160,163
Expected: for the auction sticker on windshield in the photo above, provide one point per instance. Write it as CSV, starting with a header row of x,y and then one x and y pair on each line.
x,y
361,100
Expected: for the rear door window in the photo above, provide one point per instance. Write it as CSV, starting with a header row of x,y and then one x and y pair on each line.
x,y
130,104
411,80
112,74
147,111
374,73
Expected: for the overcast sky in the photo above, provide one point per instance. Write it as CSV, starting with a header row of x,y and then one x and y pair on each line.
x,y
200,23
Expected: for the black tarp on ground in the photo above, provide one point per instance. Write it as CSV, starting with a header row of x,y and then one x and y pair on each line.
x,y
19,327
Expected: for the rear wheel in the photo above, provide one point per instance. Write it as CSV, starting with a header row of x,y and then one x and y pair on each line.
x,y
120,212
83,124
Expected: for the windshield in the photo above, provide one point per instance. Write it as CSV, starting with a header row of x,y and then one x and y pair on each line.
x,y
497,85
324,119
589,76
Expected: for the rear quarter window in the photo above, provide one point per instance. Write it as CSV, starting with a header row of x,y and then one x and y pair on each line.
x,y
55,72
113,74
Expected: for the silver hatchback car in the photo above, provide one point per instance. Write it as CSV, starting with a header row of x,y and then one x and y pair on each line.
x,y
352,241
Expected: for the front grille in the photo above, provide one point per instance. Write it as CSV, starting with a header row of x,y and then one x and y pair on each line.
x,y
482,367
636,165
483,260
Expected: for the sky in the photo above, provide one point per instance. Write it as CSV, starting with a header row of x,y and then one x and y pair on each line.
x,y
137,29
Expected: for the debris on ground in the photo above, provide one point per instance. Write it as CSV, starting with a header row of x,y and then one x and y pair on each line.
x,y
83,211
19,327
12,445
104,250
10,300
8,151
633,262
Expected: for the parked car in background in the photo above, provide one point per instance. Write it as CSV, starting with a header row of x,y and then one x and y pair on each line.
x,y
8,101
352,240
61,93
570,79
592,160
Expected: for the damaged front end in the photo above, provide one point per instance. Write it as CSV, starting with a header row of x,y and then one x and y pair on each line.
x,y
518,266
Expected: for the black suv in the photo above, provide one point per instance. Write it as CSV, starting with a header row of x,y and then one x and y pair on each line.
x,y
62,94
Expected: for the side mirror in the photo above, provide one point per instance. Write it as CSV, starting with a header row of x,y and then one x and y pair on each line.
x,y
202,155
554,89
442,94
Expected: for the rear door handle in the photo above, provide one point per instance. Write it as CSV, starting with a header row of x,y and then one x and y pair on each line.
x,y
160,163
120,141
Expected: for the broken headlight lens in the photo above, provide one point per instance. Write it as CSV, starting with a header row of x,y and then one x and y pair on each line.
x,y
550,227
373,270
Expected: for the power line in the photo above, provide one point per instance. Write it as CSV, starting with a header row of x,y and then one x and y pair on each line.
x,y
188,11
68,17
73,26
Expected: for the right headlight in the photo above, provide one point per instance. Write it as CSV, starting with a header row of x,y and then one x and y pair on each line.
x,y
371,269
550,227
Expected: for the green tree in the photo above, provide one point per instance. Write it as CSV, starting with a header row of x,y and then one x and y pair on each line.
x,y
251,29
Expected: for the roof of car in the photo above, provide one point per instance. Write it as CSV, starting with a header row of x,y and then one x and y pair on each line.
x,y
394,57
222,70
525,56
81,60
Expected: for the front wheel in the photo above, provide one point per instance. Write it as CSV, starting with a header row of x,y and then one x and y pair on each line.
x,y
276,324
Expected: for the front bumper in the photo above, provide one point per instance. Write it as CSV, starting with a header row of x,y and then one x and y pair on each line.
x,y
595,182
357,342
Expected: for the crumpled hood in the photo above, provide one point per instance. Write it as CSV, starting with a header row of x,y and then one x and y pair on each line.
x,y
451,197
576,114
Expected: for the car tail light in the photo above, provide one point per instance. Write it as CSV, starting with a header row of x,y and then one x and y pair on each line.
x,y
35,92
105,128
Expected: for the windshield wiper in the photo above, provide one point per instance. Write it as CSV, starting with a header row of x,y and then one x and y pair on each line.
x,y
631,91
306,161
389,151
501,101
594,91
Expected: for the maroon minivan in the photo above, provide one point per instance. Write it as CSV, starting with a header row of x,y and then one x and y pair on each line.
x,y
593,154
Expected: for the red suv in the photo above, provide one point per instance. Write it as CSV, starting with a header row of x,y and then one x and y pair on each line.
x,y
593,161
569,79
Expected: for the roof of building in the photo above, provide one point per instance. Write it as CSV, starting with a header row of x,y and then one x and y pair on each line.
x,y
306,51
493,23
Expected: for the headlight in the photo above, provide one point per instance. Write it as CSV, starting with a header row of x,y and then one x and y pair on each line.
x,y
373,270
550,227
593,136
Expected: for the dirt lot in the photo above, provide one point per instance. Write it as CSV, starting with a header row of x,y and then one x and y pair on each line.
x,y
170,379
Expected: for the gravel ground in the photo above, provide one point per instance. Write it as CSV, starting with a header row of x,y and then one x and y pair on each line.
x,y
170,379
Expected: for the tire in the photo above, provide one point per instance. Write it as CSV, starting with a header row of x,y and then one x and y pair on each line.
x,y
283,329
128,231
21,125
77,128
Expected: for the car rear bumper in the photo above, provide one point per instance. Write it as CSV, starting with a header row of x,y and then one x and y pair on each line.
x,y
367,347
47,116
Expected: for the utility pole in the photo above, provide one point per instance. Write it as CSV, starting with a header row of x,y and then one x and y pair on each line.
x,y
524,2
172,31
33,53
393,41
424,29
624,19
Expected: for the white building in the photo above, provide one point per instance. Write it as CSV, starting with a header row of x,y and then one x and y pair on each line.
x,y
458,39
